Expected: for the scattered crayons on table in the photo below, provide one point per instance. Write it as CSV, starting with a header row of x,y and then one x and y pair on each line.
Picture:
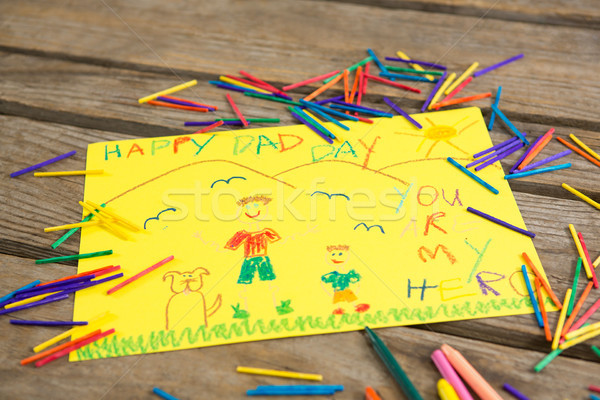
x,y
58,348
73,347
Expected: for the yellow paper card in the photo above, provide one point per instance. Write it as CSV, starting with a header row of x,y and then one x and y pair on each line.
x,y
276,233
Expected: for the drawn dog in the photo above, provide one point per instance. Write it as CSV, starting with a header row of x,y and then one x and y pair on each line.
x,y
188,302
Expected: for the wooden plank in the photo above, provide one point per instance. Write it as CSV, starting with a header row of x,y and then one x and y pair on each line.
x,y
582,13
539,85
345,358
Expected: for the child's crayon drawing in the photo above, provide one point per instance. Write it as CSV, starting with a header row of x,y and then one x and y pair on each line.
x,y
276,233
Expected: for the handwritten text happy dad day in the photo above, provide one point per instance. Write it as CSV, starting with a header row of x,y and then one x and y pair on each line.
x,y
425,196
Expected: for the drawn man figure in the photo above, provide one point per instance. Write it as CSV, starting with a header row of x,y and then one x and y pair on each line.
x,y
255,242
341,278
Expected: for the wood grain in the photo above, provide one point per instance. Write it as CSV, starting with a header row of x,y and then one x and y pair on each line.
x,y
284,50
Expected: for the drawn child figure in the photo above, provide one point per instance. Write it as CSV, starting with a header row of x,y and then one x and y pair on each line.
x,y
341,278
256,241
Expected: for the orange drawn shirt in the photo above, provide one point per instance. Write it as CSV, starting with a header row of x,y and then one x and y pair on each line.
x,y
255,243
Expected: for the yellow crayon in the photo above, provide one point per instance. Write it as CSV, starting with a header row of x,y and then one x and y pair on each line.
x,y
581,196
168,91
242,84
446,391
415,66
282,374
116,216
579,339
461,78
586,265
70,173
584,146
581,331
437,95
561,320
71,226
28,300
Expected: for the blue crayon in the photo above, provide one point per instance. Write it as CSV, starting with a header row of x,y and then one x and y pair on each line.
x,y
314,122
315,105
292,390
164,394
12,294
225,85
305,122
510,124
328,117
379,64
473,176
534,303
493,116
537,171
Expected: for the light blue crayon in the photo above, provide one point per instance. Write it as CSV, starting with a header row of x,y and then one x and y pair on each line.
x,y
493,116
534,303
537,171
12,294
328,117
328,110
379,64
406,77
164,394
473,176
510,124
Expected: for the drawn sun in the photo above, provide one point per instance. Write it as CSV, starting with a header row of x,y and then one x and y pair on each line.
x,y
440,133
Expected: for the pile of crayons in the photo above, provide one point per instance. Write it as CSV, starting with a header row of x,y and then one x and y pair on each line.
x,y
347,106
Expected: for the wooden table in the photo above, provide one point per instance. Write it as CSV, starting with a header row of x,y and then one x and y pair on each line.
x,y
72,73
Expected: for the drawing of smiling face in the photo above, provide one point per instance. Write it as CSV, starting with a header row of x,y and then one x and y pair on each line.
x,y
337,257
254,210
